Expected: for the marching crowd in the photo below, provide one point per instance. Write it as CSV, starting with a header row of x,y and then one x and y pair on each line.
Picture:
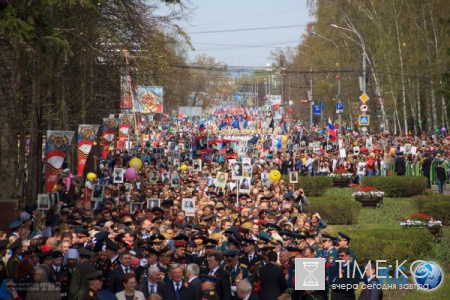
x,y
233,245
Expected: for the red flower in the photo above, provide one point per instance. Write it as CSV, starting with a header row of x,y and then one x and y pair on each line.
x,y
45,248
367,189
341,171
420,216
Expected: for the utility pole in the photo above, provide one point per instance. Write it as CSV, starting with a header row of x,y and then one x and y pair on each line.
x,y
311,102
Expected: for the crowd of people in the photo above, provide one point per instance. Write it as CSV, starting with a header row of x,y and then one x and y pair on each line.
x,y
199,237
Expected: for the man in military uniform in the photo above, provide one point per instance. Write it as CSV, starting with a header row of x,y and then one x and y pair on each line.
x,y
331,256
208,287
60,273
311,241
202,261
156,241
13,261
250,257
344,242
257,267
236,270
112,261
179,256
95,285
163,263
79,282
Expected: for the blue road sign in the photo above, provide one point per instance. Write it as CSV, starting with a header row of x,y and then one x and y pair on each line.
x,y
339,107
316,110
364,120
322,105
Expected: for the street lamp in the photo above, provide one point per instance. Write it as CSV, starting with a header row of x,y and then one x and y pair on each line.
x,y
338,77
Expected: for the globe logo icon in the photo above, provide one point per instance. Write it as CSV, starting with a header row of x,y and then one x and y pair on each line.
x,y
428,275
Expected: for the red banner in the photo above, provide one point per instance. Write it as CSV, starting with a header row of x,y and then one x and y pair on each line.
x,y
58,143
109,132
86,137
125,125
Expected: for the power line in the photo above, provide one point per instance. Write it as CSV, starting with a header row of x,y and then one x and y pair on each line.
x,y
248,29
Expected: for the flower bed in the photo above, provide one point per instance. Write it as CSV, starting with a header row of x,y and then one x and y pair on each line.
x,y
368,196
420,220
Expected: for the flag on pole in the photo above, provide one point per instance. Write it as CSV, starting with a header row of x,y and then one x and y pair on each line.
x,y
331,131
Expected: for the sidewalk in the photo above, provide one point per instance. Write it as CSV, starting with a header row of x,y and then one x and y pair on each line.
x,y
434,188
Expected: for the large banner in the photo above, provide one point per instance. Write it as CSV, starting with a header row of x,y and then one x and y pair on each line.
x,y
86,137
273,99
125,124
149,99
126,95
58,143
108,134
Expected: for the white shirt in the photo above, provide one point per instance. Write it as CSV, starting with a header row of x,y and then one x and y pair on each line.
x,y
114,258
180,284
192,279
155,287
125,269
214,270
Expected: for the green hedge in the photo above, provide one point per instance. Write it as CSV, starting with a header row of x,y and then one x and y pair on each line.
x,y
335,210
390,244
437,207
397,186
314,186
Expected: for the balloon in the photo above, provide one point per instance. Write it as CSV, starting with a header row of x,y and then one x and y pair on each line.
x,y
136,163
320,131
276,106
347,134
437,130
404,45
258,147
443,129
285,138
55,188
278,143
275,175
91,176
131,174
392,151
156,144
355,134
291,110
183,168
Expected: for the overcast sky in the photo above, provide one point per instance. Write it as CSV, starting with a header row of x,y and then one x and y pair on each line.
x,y
245,48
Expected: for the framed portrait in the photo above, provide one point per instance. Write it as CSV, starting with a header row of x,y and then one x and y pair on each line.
x,y
180,147
221,179
134,206
187,146
293,177
244,185
153,202
98,191
154,176
237,171
43,202
157,155
176,154
169,162
54,198
355,150
215,159
197,165
118,175
188,205
171,146
174,180
265,179
165,178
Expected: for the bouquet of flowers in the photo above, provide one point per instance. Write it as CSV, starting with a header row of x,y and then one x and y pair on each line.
x,y
421,220
341,175
367,192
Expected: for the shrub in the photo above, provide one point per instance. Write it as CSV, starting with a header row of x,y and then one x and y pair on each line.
x,y
397,186
390,244
335,210
315,186
435,206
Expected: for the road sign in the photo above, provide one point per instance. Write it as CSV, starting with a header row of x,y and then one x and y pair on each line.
x,y
364,128
322,105
364,120
364,98
363,107
316,110
339,107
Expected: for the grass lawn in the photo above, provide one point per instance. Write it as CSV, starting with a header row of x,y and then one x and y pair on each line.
x,y
388,217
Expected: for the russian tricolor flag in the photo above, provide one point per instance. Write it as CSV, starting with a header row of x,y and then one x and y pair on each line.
x,y
331,131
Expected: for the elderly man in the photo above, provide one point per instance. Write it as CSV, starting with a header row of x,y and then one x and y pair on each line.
x,y
176,288
153,284
244,291
42,288
192,273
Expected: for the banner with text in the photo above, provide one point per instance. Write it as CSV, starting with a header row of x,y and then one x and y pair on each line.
x,y
86,137
125,124
149,99
58,143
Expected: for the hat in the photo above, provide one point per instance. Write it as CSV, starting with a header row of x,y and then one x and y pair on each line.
x,y
293,251
272,226
45,255
111,245
233,241
81,231
72,253
17,243
247,242
264,236
24,216
207,217
85,252
343,237
158,219
179,225
210,243
230,230
231,253
15,224
266,248
285,235
299,236
57,254
276,239
180,243
101,236
208,278
326,237
247,225
181,236
30,209
4,243
165,250
158,210
94,275
157,238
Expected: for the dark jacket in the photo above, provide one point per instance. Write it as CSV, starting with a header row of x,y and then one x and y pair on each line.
x,y
400,165
143,287
440,173
115,284
79,281
223,287
273,282
186,293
